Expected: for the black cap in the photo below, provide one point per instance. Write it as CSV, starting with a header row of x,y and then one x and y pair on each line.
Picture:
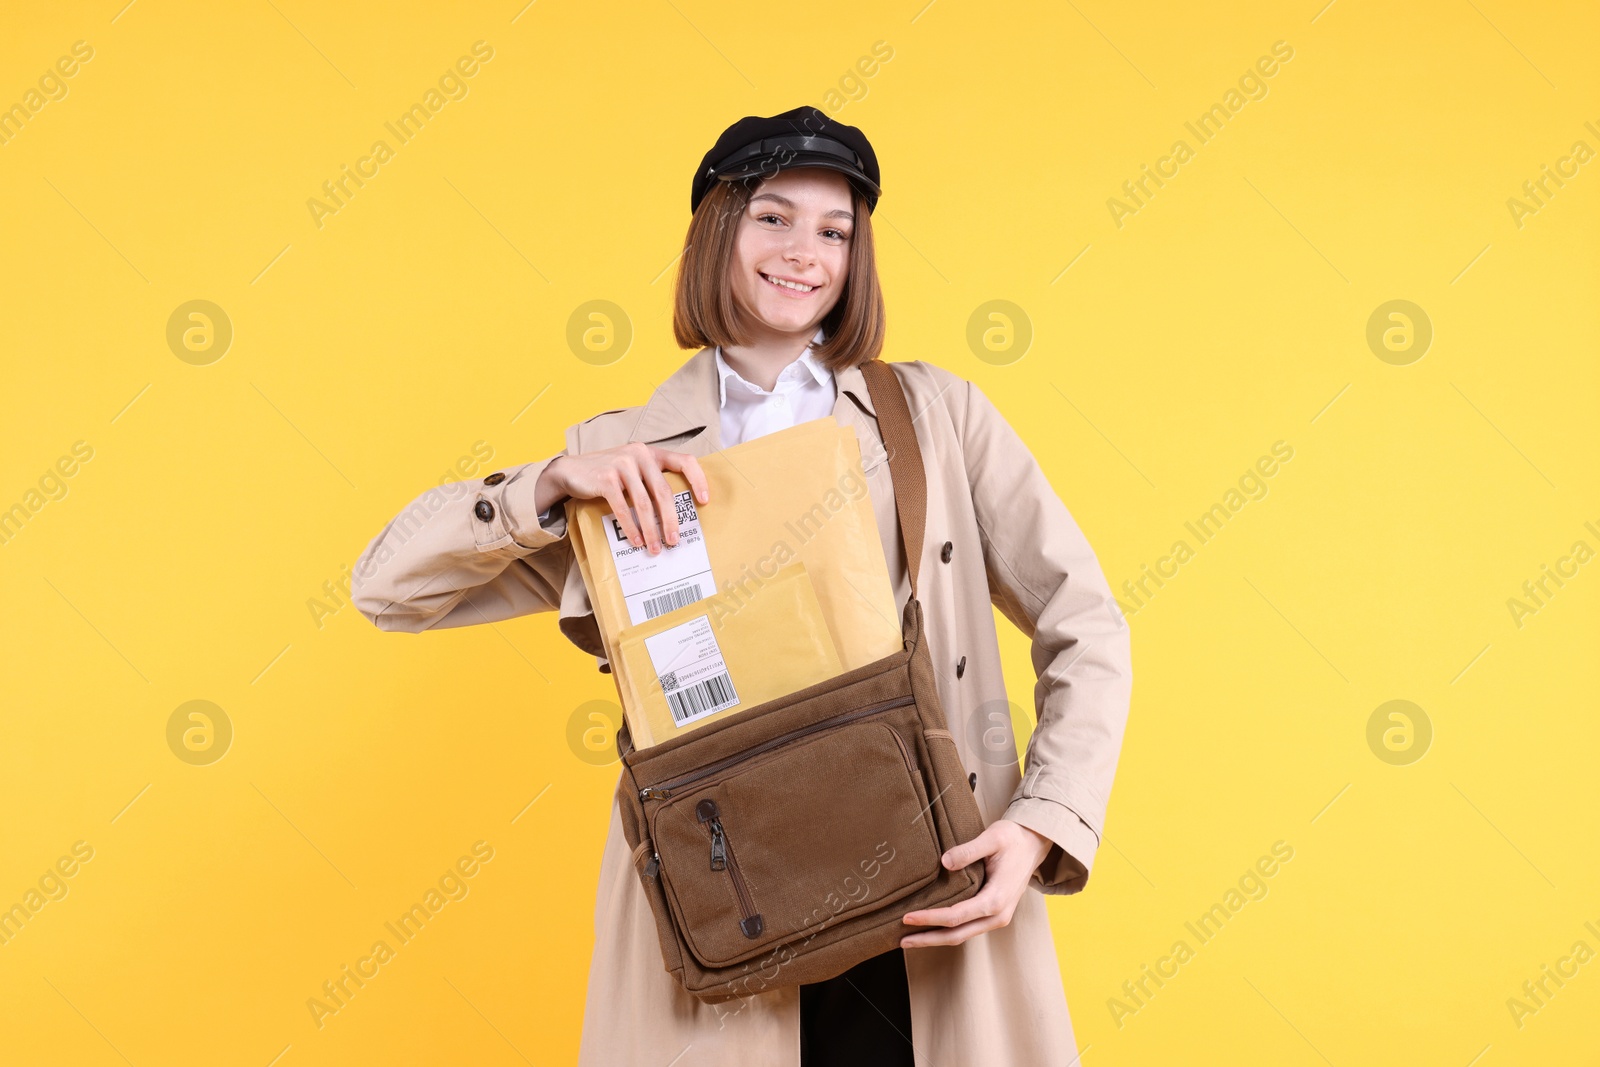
x,y
804,137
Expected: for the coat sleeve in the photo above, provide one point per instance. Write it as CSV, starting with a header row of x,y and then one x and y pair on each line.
x,y
1044,577
463,553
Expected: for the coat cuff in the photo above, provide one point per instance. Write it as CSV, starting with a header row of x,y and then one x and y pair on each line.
x,y
511,522
1066,866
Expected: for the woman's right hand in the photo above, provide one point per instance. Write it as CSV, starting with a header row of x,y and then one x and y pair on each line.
x,y
624,475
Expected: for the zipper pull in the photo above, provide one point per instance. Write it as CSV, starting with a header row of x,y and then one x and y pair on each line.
x,y
651,792
653,866
706,811
719,846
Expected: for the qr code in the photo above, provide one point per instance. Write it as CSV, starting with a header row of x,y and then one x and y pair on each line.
x,y
685,505
669,681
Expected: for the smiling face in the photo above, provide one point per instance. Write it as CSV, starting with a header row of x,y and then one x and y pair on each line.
x,y
791,256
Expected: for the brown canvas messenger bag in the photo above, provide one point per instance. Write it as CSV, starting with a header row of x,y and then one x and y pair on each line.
x,y
782,845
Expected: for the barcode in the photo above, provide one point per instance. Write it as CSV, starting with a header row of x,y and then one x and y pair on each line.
x,y
713,694
676,598
684,502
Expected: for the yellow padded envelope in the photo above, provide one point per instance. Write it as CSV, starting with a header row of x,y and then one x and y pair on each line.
x,y
797,495
711,659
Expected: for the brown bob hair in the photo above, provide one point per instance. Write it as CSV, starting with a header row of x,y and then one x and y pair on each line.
x,y
704,313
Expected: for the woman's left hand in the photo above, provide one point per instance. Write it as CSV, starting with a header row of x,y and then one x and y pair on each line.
x,y
1011,853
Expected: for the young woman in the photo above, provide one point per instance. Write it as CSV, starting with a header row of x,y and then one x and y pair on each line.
x,y
779,292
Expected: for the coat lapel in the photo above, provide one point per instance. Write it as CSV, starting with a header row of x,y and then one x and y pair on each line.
x,y
687,403
853,407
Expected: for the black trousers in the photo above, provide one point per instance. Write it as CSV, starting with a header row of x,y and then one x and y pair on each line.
x,y
862,1018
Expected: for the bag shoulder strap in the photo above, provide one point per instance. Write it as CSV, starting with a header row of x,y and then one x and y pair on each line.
x,y
905,459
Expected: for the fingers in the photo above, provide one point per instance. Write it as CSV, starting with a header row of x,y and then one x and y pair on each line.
x,y
985,844
642,502
689,467
612,491
986,902
956,935
662,526
989,910
661,492
630,480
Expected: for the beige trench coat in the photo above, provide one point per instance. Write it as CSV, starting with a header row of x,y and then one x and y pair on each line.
x,y
997,999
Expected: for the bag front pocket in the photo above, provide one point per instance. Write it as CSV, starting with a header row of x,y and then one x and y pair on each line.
x,y
793,840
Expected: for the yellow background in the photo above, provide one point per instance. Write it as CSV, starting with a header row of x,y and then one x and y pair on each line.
x,y
370,354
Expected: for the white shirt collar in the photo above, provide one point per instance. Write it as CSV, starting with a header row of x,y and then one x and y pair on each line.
x,y
807,359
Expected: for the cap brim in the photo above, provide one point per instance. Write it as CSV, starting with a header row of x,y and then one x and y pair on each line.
x,y
766,166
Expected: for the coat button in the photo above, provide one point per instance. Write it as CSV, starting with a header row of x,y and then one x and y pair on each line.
x,y
495,479
972,781
484,510
961,666
944,553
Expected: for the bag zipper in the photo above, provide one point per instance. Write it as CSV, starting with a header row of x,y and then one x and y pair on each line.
x,y
664,791
722,858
